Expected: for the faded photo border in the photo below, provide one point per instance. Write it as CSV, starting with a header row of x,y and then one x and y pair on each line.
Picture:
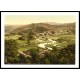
x,y
40,66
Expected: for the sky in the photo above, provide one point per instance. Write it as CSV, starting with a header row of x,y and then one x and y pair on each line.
x,y
28,19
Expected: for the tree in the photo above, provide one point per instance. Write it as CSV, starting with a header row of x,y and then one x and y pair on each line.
x,y
52,32
22,59
33,54
29,36
67,55
11,51
45,57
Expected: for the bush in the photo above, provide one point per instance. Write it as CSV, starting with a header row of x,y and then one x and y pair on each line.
x,y
67,55
11,51
33,54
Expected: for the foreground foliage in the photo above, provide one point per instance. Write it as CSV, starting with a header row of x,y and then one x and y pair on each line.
x,y
36,55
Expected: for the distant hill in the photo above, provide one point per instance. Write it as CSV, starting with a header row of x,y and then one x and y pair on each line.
x,y
53,23
36,27
10,28
66,28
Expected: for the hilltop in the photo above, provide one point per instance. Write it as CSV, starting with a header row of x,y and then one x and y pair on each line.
x,y
66,28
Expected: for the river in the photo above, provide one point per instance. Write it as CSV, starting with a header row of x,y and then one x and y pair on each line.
x,y
42,45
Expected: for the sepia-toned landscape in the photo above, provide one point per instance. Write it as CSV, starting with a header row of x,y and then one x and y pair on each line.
x,y
41,41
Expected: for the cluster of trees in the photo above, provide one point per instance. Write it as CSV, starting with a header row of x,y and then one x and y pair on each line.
x,y
38,56
11,51
28,37
67,55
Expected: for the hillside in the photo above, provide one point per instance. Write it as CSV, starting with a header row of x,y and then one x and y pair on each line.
x,y
10,28
66,28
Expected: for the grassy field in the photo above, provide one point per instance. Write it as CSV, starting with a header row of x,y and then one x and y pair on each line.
x,y
12,37
62,41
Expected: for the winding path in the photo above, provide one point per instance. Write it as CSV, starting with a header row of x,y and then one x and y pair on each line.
x,y
22,53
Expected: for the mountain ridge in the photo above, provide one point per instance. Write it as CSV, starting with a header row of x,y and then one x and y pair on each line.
x,y
43,27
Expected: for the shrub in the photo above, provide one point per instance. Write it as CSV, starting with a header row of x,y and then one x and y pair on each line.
x,y
67,55
11,50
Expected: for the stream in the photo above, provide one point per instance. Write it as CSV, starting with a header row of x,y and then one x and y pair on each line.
x,y
42,45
